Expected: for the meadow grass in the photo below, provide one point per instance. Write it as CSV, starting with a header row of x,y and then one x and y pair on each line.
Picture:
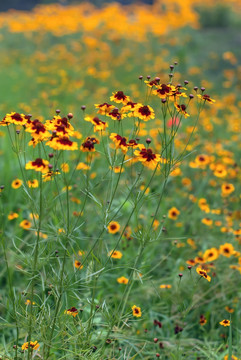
x,y
119,249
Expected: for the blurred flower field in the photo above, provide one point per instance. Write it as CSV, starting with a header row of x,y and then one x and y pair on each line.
x,y
120,181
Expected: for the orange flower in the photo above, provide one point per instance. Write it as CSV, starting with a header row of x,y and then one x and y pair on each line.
x,y
202,320
207,221
25,224
113,227
12,216
122,280
115,254
78,264
164,286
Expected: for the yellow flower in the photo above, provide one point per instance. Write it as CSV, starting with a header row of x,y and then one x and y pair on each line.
x,y
173,213
147,157
82,166
113,227
64,167
16,183
38,165
144,112
225,322
136,311
211,254
226,249
34,345
227,189
207,221
33,183
203,273
28,302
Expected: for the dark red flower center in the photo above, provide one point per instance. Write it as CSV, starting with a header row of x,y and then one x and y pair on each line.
x,y
147,154
65,141
38,162
120,95
17,117
38,126
144,110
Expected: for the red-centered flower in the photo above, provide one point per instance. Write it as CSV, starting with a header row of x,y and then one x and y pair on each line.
x,y
116,115
15,118
144,112
60,126
163,90
62,143
176,92
129,107
99,125
89,144
72,311
38,130
104,108
182,109
119,97
147,157
207,98
203,273
151,83
120,142
49,175
132,144
38,165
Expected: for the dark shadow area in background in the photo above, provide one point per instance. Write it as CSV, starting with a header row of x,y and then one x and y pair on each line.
x,y
29,4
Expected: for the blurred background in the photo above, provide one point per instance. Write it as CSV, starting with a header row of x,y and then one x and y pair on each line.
x,y
60,54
